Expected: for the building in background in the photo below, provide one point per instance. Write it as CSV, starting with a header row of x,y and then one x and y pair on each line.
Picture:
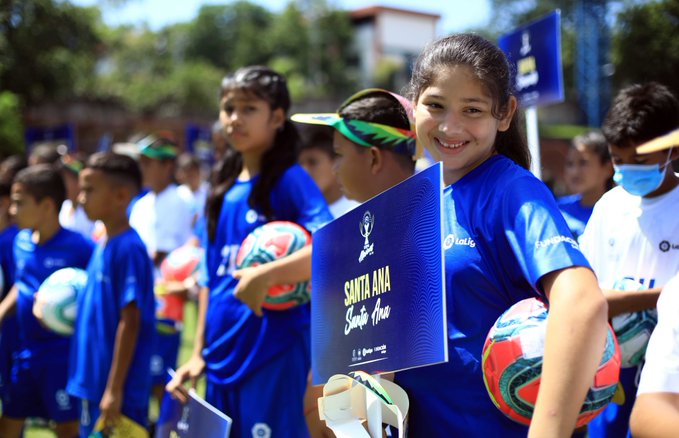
x,y
388,41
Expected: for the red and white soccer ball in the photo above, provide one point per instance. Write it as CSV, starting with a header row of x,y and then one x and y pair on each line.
x,y
270,242
181,263
512,364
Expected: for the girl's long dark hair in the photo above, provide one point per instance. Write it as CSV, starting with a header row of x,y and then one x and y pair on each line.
x,y
270,86
491,67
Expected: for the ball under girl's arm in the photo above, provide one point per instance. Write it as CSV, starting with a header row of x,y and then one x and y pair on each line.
x,y
254,282
575,340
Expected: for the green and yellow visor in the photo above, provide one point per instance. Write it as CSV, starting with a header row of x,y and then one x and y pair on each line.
x,y
157,148
368,134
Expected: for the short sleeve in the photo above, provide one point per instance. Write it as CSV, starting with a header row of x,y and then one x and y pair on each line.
x,y
661,370
537,232
135,273
299,200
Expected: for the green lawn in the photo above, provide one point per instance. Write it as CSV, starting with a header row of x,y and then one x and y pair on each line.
x,y
184,354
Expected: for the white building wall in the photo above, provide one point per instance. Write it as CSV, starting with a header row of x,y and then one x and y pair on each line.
x,y
405,33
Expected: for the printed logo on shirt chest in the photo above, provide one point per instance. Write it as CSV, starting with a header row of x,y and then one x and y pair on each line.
x,y
51,262
665,246
251,217
452,240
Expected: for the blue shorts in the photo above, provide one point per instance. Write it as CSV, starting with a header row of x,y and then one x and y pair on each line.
x,y
39,390
270,401
164,356
89,415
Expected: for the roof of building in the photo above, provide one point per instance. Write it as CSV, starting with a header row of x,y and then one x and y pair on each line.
x,y
373,11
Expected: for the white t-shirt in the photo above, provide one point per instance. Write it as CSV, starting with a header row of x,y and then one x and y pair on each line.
x,y
661,371
633,237
341,206
198,198
75,219
163,220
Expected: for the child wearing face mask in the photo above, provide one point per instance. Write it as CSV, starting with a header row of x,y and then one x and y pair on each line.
x,y
633,232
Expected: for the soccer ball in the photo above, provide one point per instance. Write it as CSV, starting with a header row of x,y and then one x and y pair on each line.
x,y
512,364
58,299
270,242
633,329
181,263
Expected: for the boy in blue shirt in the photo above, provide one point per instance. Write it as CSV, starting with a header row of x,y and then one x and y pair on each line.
x,y
8,231
114,331
37,387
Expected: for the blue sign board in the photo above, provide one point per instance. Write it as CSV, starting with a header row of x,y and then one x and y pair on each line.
x,y
378,301
534,51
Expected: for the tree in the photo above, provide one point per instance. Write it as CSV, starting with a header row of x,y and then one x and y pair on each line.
x,y
147,71
230,36
646,45
49,49
11,128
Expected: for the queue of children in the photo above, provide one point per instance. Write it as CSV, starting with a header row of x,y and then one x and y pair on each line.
x,y
463,111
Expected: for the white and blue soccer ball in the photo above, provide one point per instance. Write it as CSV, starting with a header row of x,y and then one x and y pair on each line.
x,y
58,299
633,329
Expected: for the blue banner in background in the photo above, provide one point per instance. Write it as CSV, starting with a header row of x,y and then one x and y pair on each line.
x,y
199,142
62,134
378,301
534,51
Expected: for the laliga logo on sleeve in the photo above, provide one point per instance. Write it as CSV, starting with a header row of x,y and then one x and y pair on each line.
x,y
366,227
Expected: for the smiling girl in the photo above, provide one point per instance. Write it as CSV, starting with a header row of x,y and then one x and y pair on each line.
x,y
515,245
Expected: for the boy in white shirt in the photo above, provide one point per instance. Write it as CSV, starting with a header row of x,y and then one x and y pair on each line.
x,y
164,220
633,232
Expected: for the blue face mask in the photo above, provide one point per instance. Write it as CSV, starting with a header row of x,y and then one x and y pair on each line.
x,y
640,179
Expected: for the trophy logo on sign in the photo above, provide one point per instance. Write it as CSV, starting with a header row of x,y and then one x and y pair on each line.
x,y
366,227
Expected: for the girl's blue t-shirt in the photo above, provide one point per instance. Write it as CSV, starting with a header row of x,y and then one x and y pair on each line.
x,y
119,273
237,342
502,233
575,214
34,263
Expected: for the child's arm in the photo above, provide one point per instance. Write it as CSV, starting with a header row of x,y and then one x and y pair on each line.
x,y
192,369
655,414
575,340
620,302
255,282
8,305
126,341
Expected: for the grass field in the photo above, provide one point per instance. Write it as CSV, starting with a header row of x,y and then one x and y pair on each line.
x,y
184,354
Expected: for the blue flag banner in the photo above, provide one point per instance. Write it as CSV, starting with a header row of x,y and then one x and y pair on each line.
x,y
534,51
378,302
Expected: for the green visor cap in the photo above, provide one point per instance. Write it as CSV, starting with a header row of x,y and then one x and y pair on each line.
x,y
368,134
157,148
